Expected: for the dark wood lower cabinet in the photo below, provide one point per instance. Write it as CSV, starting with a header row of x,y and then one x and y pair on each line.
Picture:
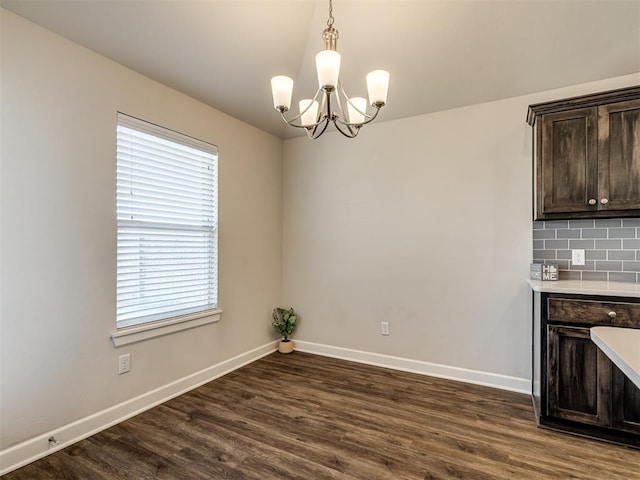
x,y
579,377
626,396
580,389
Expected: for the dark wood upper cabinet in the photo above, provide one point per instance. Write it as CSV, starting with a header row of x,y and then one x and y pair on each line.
x,y
619,155
587,156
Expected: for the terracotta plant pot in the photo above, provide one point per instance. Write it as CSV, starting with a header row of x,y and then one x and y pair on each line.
x,y
285,346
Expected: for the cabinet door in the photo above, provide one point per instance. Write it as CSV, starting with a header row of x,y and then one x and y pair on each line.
x,y
568,168
619,155
625,402
578,377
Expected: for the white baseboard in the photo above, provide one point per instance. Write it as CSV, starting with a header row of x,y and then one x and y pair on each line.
x,y
35,448
503,382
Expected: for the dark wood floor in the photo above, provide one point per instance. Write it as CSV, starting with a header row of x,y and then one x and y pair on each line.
x,y
308,417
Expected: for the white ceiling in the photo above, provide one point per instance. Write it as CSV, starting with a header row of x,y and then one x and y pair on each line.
x,y
440,54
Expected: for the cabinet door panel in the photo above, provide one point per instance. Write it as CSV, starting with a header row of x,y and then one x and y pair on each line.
x,y
625,402
569,161
619,155
579,377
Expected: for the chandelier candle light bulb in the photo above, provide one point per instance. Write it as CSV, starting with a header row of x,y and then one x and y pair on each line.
x,y
356,108
308,112
282,89
378,85
315,122
328,67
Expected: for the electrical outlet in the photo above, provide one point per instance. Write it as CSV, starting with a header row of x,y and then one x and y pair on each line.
x,y
124,363
577,257
384,328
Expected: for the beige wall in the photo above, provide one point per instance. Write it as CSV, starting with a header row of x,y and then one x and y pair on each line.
x,y
59,104
425,223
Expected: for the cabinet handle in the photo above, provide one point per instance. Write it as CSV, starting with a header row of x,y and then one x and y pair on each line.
x,y
592,201
604,201
612,314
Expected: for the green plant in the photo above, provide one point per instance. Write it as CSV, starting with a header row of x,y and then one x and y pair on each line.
x,y
285,321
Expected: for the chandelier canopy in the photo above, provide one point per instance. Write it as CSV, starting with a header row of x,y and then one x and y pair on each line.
x,y
316,113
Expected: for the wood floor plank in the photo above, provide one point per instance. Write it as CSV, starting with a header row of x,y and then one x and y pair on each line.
x,y
307,417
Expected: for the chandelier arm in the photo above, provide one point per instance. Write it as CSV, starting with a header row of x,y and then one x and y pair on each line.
x,y
352,128
291,120
366,115
352,131
370,118
340,109
311,131
313,134
290,123
323,106
323,118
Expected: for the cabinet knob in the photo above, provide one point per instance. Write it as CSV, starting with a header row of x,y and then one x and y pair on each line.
x,y
612,314
604,201
592,201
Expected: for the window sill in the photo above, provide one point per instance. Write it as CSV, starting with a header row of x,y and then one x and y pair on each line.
x,y
139,333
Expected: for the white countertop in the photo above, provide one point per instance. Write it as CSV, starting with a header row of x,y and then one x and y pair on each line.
x,y
587,287
622,346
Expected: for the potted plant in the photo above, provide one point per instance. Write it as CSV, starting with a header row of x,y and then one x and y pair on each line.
x,y
285,322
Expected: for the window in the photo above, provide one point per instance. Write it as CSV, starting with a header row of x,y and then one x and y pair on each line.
x,y
167,262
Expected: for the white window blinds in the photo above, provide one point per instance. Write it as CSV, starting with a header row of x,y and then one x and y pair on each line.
x,y
167,224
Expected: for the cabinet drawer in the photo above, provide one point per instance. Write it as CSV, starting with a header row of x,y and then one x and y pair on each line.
x,y
591,312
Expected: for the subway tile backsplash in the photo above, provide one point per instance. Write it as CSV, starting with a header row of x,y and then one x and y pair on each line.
x,y
612,248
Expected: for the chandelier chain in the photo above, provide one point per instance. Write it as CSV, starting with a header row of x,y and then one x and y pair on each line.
x,y
331,19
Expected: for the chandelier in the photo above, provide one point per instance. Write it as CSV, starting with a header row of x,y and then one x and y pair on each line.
x,y
316,113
